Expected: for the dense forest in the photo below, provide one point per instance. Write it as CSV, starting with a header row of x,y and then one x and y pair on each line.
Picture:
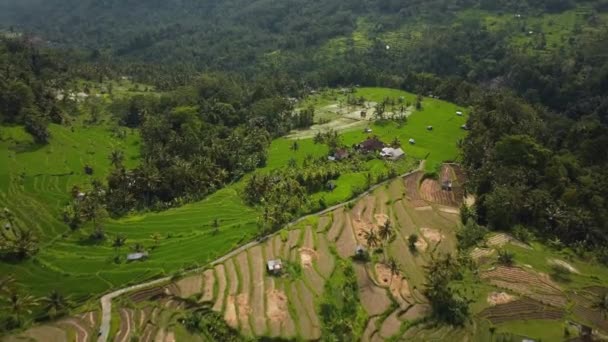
x,y
548,102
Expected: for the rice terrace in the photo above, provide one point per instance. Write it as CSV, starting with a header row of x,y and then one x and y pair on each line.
x,y
364,258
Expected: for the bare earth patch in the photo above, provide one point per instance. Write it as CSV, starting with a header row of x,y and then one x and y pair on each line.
x,y
276,310
208,283
244,310
496,298
381,219
230,313
190,286
417,311
383,274
307,256
432,235
346,243
421,245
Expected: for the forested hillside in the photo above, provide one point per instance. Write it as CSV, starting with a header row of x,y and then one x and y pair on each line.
x,y
181,129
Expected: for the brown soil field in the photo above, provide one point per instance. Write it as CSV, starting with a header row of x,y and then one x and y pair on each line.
x,y
408,262
326,263
155,314
373,298
346,244
82,333
288,326
592,316
208,284
597,290
230,315
43,333
337,225
220,276
309,240
501,239
431,191
148,333
523,309
258,268
160,335
308,299
478,253
190,286
390,326
412,182
307,256
383,274
126,325
323,225
533,285
243,310
243,299
305,326
415,312
90,318
290,248
276,310
316,282
496,298
277,247
404,221
370,329
147,294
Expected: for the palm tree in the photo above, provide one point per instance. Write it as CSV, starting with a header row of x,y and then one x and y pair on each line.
x,y
6,283
371,238
386,231
55,304
19,304
393,266
116,158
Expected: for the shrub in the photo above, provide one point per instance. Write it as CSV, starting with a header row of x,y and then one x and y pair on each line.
x,y
506,258
522,234
470,235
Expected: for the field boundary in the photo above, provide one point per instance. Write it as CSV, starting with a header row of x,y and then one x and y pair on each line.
x,y
106,300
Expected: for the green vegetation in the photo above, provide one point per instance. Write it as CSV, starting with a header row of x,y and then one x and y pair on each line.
x,y
341,313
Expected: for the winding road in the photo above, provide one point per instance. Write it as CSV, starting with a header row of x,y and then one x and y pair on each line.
x,y
106,300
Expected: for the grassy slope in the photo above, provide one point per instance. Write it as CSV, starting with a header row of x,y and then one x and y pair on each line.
x,y
67,263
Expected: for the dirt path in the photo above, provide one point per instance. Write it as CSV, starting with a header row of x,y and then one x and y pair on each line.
x,y
243,299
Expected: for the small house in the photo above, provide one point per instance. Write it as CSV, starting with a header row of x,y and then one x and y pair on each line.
x,y
275,267
7,226
412,141
464,127
341,154
371,145
140,256
429,128
330,186
459,113
392,153
360,251
80,195
367,130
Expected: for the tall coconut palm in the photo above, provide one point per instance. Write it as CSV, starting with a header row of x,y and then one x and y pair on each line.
x,y
55,304
371,238
19,304
6,283
116,158
393,266
386,231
